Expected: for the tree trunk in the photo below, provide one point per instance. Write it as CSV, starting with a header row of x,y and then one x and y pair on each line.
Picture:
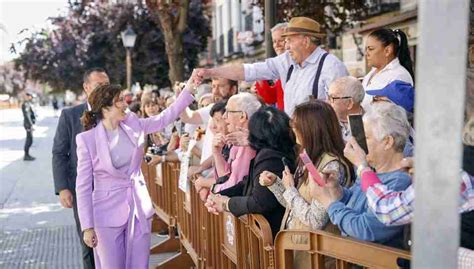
x,y
173,27
174,48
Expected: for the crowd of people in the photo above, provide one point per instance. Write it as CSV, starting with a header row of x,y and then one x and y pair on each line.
x,y
245,149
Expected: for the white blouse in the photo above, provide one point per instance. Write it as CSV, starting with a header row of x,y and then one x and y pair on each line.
x,y
376,81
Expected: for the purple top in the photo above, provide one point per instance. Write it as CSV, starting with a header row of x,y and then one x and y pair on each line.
x,y
121,149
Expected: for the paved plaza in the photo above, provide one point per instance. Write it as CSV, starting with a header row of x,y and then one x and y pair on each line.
x,y
35,231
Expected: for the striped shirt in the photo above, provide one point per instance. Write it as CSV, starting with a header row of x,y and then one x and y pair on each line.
x,y
396,208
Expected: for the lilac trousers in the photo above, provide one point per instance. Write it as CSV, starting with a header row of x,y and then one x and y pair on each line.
x,y
125,247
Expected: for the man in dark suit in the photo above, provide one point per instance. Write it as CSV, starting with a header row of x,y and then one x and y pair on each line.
x,y
29,120
65,158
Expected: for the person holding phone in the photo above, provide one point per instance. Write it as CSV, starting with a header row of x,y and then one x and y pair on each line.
x,y
113,203
317,132
386,129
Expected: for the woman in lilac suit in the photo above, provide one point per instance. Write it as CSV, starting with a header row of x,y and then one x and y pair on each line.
x,y
114,206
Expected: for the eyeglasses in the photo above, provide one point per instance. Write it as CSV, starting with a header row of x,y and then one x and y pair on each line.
x,y
332,98
232,111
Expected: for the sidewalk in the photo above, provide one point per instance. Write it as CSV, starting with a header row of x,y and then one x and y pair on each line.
x,y
35,231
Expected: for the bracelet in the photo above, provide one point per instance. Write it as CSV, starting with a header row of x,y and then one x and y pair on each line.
x,y
225,205
360,168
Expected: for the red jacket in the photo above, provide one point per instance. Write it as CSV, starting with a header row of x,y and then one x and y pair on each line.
x,y
271,94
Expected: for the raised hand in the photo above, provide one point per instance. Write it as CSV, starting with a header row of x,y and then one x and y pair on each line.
x,y
218,143
355,153
193,82
330,193
407,164
267,178
201,74
288,180
239,137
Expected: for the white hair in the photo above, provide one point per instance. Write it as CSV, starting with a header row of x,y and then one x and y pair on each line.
x,y
351,87
278,26
388,119
246,102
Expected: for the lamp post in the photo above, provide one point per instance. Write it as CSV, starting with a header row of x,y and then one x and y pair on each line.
x,y
128,40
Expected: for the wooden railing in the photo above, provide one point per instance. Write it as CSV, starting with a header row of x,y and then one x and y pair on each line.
x,y
161,183
227,242
345,251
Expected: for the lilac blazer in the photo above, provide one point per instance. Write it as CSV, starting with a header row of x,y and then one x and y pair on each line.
x,y
103,192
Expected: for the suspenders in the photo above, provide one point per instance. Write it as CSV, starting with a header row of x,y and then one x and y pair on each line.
x,y
316,78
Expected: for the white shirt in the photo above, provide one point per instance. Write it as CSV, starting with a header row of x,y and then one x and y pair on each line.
x,y
206,151
300,85
205,113
392,71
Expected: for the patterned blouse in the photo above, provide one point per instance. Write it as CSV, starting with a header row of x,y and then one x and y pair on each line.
x,y
313,215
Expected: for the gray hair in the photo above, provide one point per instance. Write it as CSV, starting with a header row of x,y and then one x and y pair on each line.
x,y
351,87
389,119
279,26
246,102
314,40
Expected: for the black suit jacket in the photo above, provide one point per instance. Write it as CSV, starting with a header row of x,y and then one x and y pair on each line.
x,y
64,148
29,117
249,197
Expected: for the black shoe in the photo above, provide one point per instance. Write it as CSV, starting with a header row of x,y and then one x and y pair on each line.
x,y
28,158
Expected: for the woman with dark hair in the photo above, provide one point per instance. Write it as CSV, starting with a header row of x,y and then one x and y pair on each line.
x,y
271,137
318,133
113,203
387,53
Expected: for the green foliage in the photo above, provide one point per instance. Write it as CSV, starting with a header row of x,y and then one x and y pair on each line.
x,y
89,36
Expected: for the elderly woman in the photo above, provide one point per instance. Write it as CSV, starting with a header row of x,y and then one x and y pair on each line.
x,y
386,128
229,172
271,137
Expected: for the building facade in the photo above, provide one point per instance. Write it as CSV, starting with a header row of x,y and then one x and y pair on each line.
x,y
399,14
238,32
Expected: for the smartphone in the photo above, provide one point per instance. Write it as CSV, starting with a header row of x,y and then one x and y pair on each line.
x,y
311,168
357,130
285,162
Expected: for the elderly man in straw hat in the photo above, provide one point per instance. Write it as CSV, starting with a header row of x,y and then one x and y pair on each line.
x,y
304,69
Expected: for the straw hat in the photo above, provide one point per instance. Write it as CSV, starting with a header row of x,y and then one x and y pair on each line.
x,y
303,26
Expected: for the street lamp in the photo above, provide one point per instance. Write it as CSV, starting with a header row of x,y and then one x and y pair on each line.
x,y
128,40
